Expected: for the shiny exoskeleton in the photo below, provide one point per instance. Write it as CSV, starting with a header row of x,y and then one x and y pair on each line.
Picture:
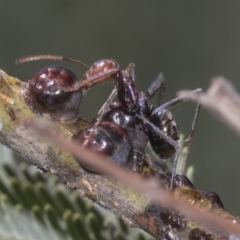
x,y
44,94
107,139
132,115
123,113
172,218
133,112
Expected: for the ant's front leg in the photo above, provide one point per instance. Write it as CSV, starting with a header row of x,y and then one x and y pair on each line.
x,y
127,91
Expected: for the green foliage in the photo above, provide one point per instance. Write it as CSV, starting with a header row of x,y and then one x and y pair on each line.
x,y
34,205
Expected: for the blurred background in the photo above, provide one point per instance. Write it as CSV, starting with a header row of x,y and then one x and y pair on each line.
x,y
189,41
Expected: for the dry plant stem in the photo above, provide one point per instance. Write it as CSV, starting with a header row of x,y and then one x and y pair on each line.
x,y
104,191
222,99
148,188
190,138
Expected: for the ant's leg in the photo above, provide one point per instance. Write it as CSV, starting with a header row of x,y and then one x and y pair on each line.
x,y
161,134
167,139
130,70
106,105
158,85
127,91
190,137
101,113
173,102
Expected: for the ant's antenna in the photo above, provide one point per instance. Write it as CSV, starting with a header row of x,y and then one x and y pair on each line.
x,y
48,57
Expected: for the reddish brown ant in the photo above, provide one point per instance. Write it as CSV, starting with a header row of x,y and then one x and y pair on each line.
x,y
132,117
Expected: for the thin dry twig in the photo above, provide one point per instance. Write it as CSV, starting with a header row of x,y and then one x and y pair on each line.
x,y
148,188
222,99
131,206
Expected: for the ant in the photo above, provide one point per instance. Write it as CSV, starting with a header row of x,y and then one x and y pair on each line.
x,y
128,124
43,93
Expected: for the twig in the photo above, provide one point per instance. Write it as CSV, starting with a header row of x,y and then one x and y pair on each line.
x,y
222,99
105,191
148,188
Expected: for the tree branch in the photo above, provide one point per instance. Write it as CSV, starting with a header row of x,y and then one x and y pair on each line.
x,y
172,216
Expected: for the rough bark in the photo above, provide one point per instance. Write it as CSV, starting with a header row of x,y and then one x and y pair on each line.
x,y
160,221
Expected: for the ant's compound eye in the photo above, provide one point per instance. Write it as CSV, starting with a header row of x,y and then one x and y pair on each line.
x,y
102,67
44,94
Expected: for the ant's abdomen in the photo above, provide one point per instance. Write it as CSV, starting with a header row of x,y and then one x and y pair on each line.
x,y
166,123
43,94
107,139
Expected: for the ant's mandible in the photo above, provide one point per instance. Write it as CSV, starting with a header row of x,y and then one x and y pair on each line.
x,y
132,120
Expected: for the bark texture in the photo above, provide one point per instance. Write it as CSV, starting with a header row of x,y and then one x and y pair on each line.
x,y
160,221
